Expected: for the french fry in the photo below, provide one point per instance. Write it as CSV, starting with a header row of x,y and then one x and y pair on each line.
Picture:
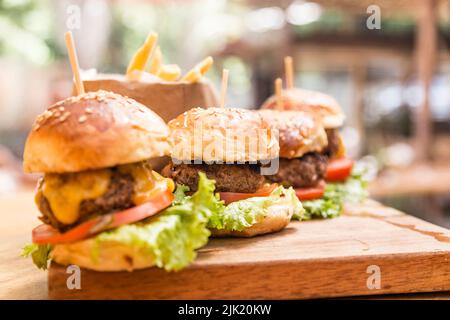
x,y
197,72
156,61
205,65
141,56
169,72
192,76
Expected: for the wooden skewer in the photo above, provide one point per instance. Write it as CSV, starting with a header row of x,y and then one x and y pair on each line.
x,y
278,89
74,62
224,86
289,72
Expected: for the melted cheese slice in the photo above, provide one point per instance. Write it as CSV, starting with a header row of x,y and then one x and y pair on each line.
x,y
65,192
147,183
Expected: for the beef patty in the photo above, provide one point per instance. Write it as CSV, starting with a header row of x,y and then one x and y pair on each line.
x,y
117,197
333,142
303,172
242,178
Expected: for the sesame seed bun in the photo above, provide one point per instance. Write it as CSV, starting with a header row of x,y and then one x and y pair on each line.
x,y
278,218
298,132
316,103
222,134
92,131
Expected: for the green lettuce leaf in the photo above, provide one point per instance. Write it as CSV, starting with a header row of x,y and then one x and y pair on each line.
x,y
180,194
245,213
40,253
329,206
170,238
354,189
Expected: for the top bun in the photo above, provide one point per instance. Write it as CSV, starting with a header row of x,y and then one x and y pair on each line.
x,y
317,103
92,131
222,134
299,132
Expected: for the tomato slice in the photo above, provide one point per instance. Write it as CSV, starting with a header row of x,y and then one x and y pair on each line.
x,y
46,234
311,193
339,169
229,197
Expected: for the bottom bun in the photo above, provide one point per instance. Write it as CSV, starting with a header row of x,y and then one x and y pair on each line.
x,y
278,218
102,256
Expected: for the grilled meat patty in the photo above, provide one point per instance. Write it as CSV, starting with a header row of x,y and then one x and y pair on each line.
x,y
303,172
333,142
117,197
242,178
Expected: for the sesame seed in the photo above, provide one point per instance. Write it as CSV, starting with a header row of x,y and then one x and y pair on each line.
x,y
64,116
82,119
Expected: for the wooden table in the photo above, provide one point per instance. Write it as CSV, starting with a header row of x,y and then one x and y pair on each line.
x,y
402,234
412,180
19,278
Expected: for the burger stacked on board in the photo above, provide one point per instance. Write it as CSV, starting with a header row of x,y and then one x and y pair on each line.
x,y
319,170
303,160
232,146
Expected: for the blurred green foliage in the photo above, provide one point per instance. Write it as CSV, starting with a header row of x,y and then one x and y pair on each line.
x,y
26,31
132,23
335,21
330,20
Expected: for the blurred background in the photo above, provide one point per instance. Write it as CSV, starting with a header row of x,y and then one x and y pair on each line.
x,y
392,80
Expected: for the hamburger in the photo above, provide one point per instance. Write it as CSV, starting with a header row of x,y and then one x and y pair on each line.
x,y
323,176
324,107
101,204
232,147
303,162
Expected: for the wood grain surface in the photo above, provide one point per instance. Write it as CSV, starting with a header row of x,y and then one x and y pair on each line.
x,y
314,259
19,278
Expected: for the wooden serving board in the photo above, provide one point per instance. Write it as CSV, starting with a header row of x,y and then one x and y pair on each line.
x,y
313,259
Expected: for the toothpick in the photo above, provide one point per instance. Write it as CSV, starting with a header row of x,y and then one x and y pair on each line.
x,y
223,90
74,62
278,89
289,72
